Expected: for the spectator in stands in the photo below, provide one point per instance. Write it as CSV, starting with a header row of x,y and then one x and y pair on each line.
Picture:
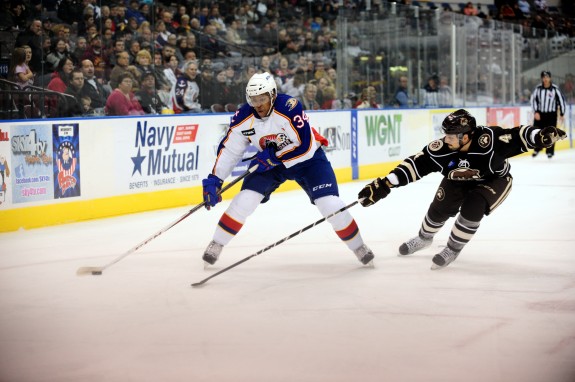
x,y
143,61
233,35
216,19
445,96
322,83
47,27
401,96
161,34
19,70
184,26
206,82
118,46
367,99
133,51
265,65
469,9
122,101
62,31
33,38
59,51
147,95
123,66
163,84
187,94
295,86
283,71
308,99
171,70
87,105
93,88
61,76
223,91
80,50
134,12
210,43
72,106
431,91
96,54
329,100
191,44
167,18
168,51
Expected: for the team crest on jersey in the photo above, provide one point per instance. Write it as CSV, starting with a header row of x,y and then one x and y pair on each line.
x,y
281,140
436,145
484,140
291,103
440,195
463,174
247,133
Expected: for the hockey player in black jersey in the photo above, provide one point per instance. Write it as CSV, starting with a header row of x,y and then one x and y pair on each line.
x,y
474,162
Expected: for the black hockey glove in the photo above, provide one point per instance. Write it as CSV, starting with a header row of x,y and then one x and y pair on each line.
x,y
548,136
373,192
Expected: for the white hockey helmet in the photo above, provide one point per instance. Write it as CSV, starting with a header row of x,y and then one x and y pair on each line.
x,y
261,83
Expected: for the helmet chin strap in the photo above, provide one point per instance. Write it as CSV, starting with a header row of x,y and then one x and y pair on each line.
x,y
272,100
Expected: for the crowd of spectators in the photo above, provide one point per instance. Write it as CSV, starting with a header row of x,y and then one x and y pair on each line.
x,y
197,56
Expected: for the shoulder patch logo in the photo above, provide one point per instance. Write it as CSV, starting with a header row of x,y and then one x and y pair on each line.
x,y
484,140
436,145
247,133
291,103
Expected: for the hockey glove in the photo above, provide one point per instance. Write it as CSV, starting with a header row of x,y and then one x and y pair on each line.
x,y
212,185
266,159
373,192
548,136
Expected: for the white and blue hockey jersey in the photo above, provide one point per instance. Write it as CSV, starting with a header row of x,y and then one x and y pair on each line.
x,y
288,126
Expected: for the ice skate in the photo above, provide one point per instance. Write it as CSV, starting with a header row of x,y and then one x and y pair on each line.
x,y
212,253
444,258
413,245
364,255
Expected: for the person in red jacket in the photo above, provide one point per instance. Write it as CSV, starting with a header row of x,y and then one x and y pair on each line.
x,y
61,77
122,101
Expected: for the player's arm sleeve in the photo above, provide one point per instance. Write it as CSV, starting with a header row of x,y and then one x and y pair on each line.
x,y
230,151
413,168
522,139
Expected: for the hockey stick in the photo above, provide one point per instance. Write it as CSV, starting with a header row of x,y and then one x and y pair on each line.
x,y
82,271
275,244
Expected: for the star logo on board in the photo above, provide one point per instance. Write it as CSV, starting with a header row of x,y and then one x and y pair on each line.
x,y
138,159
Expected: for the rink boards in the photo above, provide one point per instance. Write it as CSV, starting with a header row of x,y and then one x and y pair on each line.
x,y
62,171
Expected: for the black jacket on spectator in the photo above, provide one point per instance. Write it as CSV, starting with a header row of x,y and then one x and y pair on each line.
x,y
97,94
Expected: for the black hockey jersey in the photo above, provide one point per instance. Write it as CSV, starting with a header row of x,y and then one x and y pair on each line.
x,y
487,157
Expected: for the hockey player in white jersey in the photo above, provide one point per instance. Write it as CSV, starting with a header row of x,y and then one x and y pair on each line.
x,y
288,148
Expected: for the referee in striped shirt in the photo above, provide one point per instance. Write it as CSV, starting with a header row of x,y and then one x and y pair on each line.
x,y
544,102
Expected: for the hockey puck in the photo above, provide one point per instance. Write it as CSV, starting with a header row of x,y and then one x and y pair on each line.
x,y
97,273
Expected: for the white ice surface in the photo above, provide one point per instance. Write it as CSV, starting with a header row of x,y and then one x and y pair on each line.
x,y
305,310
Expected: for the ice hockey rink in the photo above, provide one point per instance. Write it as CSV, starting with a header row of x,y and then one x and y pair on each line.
x,y
305,310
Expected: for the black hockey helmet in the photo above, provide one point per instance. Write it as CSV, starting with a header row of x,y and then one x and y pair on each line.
x,y
458,122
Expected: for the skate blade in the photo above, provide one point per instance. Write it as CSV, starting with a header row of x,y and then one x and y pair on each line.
x,y
371,264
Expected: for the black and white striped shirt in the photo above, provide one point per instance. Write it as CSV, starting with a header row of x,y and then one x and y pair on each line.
x,y
546,100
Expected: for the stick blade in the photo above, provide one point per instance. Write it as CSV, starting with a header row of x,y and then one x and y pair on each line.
x,y
198,284
84,271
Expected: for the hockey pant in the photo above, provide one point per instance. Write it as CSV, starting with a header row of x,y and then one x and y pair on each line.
x,y
469,201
